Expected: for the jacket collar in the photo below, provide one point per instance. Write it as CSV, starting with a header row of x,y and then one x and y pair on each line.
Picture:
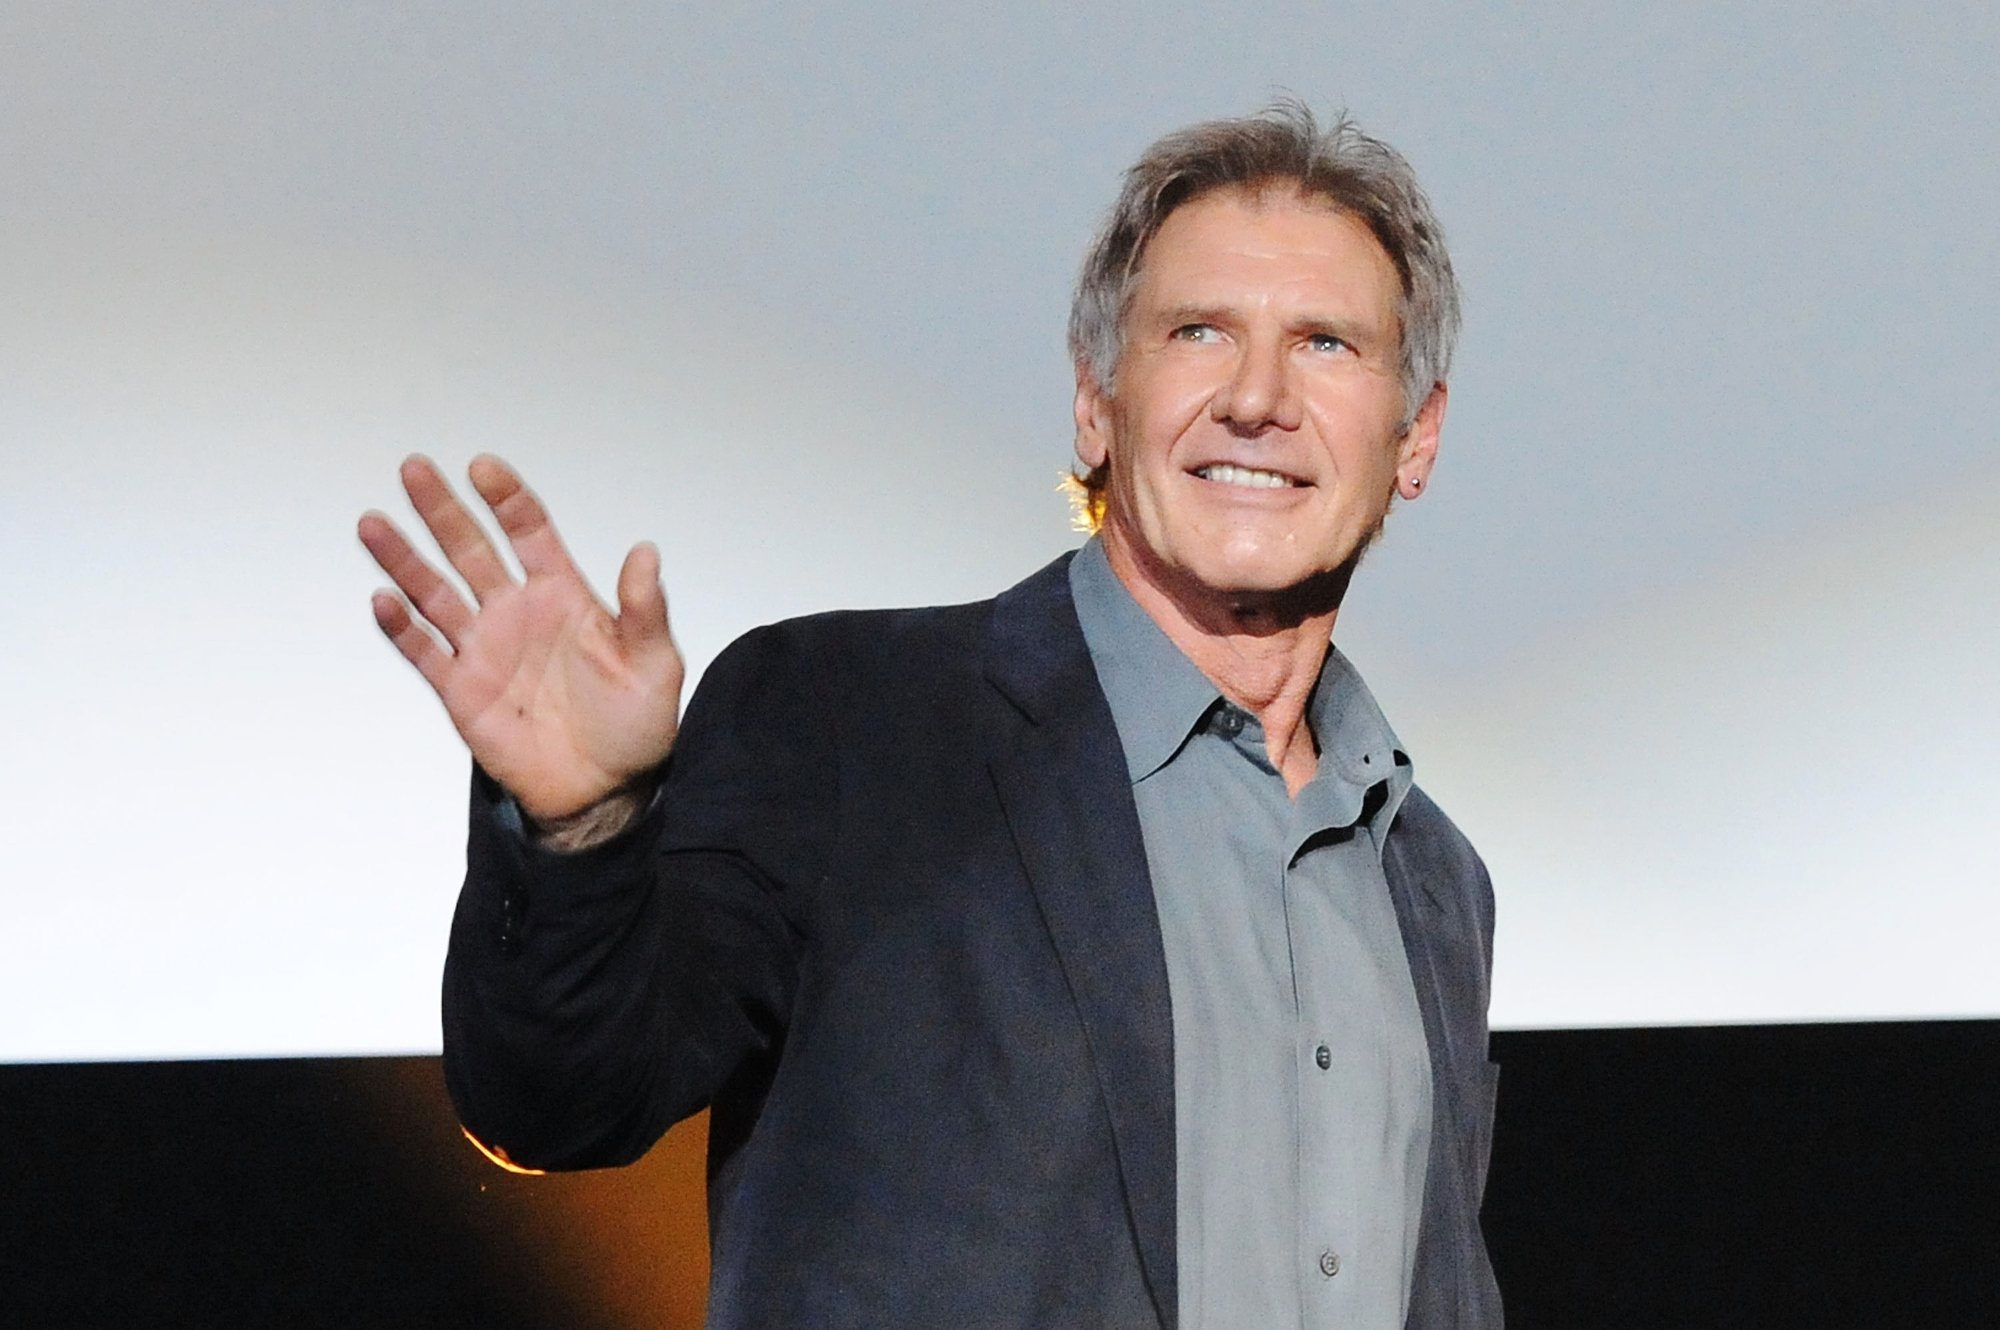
x,y
1061,777
1063,782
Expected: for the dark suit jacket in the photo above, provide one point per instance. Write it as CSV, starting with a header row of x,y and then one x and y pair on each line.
x,y
891,922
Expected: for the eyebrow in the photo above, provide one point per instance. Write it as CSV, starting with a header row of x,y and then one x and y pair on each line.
x,y
1347,330
1182,315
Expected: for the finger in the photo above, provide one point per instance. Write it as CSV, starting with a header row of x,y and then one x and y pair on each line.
x,y
522,517
435,598
457,532
642,604
393,617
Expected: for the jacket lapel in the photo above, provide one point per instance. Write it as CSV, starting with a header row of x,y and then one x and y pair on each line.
x,y
1416,914
1060,773
1434,1300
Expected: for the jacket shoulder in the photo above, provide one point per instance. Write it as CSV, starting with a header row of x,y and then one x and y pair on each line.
x,y
859,646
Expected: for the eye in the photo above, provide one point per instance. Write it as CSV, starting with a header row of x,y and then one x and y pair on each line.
x,y
1325,343
1196,332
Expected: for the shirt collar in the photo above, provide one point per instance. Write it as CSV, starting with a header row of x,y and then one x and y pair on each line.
x,y
1358,748
1157,696
1353,734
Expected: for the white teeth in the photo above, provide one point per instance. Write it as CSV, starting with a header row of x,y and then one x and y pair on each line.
x,y
1226,474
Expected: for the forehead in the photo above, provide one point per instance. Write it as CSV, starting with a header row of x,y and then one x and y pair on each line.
x,y
1263,242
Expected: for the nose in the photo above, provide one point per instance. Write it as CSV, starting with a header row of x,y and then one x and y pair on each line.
x,y
1260,393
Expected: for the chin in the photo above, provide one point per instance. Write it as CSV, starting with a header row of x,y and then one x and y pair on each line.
x,y
1260,573
1251,576
1264,565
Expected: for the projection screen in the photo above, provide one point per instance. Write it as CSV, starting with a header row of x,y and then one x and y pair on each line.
x,y
1694,636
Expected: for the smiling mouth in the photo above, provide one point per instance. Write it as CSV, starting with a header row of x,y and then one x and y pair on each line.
x,y
1223,473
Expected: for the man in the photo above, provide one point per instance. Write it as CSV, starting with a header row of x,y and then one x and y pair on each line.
x,y
1083,957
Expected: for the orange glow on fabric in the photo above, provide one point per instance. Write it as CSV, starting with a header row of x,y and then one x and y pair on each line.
x,y
496,1155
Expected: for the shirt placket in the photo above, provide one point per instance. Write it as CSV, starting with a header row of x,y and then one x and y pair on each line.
x,y
1326,1175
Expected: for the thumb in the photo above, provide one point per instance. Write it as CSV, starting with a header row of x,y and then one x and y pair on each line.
x,y
642,604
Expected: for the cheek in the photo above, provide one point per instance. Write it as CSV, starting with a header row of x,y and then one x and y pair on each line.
x,y
1364,445
1138,453
1377,475
1155,412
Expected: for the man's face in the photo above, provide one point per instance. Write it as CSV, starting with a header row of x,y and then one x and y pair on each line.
x,y
1254,436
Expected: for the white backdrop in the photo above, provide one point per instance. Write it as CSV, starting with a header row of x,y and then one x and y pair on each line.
x,y
1694,636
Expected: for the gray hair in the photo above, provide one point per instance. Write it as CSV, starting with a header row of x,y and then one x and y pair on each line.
x,y
1283,144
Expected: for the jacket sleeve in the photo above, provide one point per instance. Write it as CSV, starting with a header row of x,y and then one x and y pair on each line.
x,y
591,1000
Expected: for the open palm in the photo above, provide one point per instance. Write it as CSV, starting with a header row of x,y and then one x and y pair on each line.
x,y
559,700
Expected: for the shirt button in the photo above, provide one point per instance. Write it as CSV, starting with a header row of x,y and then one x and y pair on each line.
x,y
1329,1262
1229,722
1323,1057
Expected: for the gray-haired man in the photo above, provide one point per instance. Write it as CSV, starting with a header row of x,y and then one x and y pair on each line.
x,y
1085,956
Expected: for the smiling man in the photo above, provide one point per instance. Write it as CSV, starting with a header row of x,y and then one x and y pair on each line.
x,y
1082,957
1259,426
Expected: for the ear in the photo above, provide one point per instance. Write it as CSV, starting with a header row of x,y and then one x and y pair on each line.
x,y
1093,419
1416,454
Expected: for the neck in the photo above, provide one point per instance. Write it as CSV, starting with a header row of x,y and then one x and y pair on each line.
x,y
1262,650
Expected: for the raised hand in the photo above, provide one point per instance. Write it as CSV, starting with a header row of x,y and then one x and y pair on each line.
x,y
561,702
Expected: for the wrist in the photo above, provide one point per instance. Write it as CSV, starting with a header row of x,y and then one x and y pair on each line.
x,y
603,821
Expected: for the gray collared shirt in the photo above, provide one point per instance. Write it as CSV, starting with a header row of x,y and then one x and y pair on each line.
x,y
1302,1083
